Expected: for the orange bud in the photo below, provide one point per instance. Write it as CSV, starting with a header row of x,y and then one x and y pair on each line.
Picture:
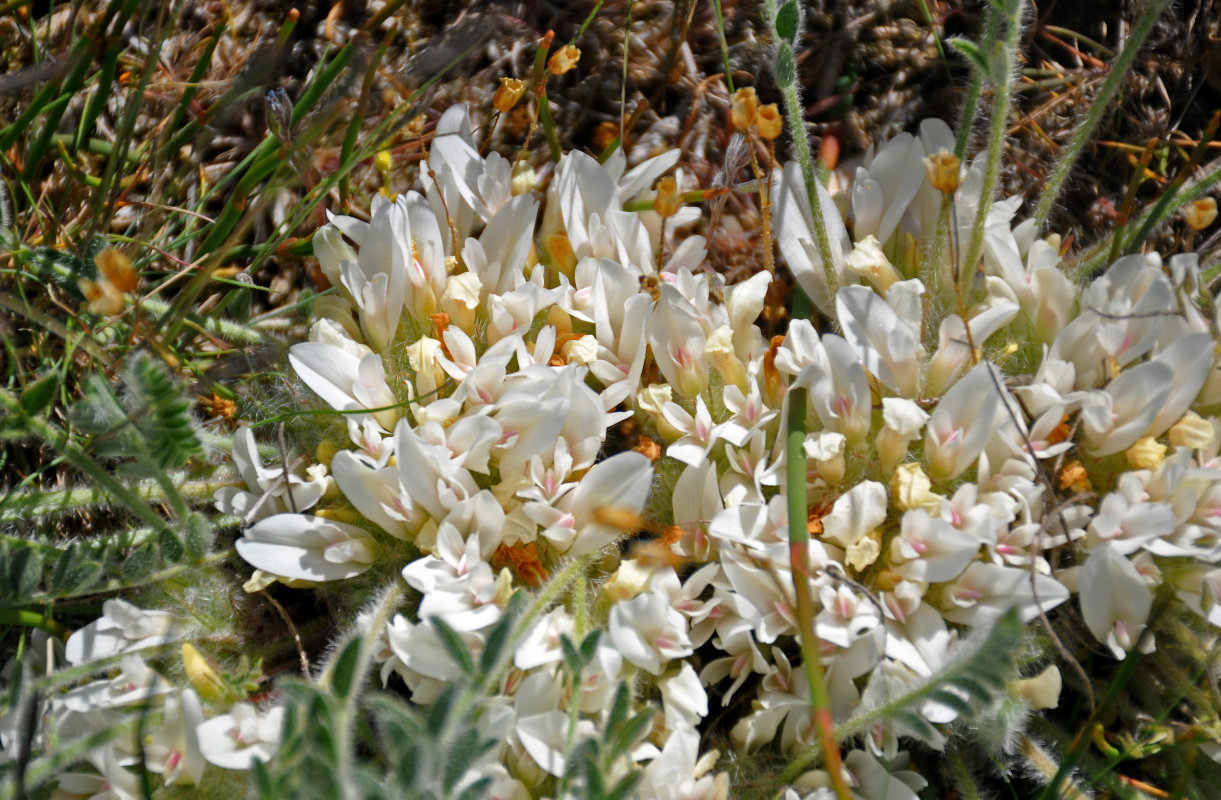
x,y
745,104
1200,213
563,60
667,203
942,171
510,91
769,121
114,264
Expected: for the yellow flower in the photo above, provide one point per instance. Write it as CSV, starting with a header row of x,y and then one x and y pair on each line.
x,y
1147,453
668,201
745,104
507,95
942,171
769,122
911,488
1192,431
1200,213
563,60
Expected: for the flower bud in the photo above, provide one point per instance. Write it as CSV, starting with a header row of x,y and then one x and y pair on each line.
x,y
1041,691
563,60
769,121
559,247
1074,477
507,95
1200,213
1192,431
942,171
910,488
115,266
668,202
1147,453
745,105
203,676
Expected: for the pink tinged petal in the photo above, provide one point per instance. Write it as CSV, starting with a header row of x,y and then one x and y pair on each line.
x,y
1135,398
962,423
793,223
1115,599
622,483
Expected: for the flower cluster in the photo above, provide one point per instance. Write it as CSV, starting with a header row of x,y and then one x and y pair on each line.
x,y
985,437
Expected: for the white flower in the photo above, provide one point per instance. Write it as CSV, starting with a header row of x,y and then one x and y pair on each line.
x,y
794,229
269,493
1114,418
1115,600
649,632
175,751
122,628
135,683
677,339
929,549
855,514
962,423
887,344
983,592
683,698
344,380
376,493
235,740
902,421
307,548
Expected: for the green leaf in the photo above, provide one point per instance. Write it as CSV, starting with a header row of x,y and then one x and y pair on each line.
x,y
981,671
476,790
24,572
623,789
955,701
974,55
630,732
595,787
140,563
81,578
343,669
439,712
98,410
62,269
38,394
454,645
198,534
171,547
619,709
65,561
589,647
162,412
495,644
465,751
572,659
786,21
786,66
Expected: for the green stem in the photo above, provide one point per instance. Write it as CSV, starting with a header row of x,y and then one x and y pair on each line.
x,y
62,443
786,79
32,619
1098,108
347,712
24,505
799,557
1003,71
720,32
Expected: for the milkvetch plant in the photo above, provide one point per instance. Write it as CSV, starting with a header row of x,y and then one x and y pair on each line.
x,y
878,547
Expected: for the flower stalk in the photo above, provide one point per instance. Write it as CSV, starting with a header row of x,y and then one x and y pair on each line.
x,y
799,556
